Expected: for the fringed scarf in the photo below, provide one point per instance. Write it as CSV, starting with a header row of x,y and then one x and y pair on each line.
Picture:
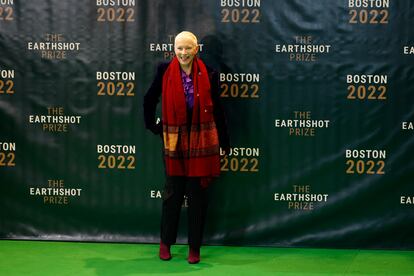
x,y
194,152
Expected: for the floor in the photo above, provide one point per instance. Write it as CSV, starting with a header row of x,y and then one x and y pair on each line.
x,y
73,258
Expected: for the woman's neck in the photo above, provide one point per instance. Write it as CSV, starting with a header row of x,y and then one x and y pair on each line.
x,y
187,69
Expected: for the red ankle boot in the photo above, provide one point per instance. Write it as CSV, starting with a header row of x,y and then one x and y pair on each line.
x,y
194,256
165,253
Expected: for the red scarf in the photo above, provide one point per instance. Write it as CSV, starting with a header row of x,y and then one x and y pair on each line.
x,y
193,153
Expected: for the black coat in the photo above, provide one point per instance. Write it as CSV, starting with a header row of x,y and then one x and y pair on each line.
x,y
152,98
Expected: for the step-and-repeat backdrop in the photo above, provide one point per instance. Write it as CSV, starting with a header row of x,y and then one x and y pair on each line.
x,y
319,100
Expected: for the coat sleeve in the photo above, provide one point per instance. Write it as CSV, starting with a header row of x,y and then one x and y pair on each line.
x,y
151,100
218,112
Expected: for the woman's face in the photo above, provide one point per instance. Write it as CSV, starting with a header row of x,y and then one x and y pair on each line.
x,y
185,50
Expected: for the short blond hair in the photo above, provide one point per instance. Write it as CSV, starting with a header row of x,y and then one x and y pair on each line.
x,y
188,35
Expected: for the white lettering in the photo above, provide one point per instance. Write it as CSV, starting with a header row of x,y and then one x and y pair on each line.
x,y
301,197
7,74
376,79
242,152
370,154
119,149
115,3
302,123
406,200
8,146
368,3
302,48
240,3
6,2
156,194
408,50
407,126
125,76
239,77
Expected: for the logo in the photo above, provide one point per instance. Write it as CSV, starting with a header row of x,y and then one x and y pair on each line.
x,y
365,161
55,192
240,85
240,11
243,160
53,47
303,49
368,11
116,84
115,11
302,124
121,157
55,120
367,87
301,198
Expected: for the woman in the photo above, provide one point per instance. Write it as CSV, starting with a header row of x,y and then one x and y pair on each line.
x,y
193,128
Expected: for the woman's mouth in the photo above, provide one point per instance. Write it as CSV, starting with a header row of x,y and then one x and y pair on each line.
x,y
184,58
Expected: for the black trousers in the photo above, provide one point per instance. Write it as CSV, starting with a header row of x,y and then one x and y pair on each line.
x,y
173,197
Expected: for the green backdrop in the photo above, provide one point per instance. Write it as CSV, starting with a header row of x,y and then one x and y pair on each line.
x,y
318,96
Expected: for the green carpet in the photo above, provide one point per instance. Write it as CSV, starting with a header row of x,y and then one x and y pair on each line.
x,y
71,258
